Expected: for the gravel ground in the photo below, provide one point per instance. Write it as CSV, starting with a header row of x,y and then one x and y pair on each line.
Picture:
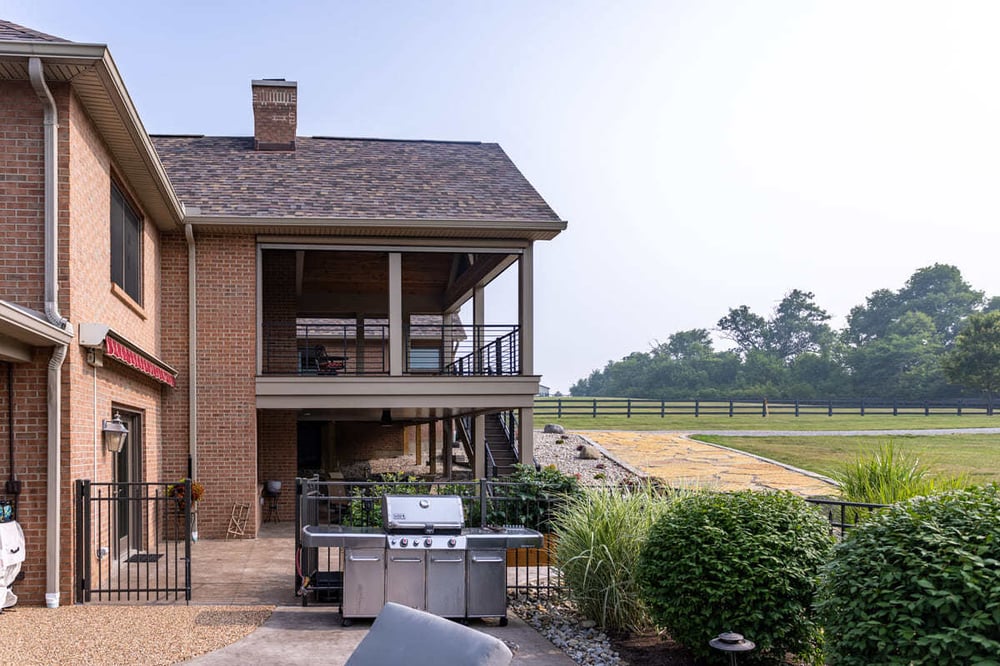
x,y
569,631
550,449
562,451
96,634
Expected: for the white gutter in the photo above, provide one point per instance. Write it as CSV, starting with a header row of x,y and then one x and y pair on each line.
x,y
192,351
54,476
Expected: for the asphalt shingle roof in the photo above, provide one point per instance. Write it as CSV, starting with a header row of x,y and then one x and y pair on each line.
x,y
350,178
14,32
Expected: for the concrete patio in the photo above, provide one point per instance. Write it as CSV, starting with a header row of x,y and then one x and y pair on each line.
x,y
261,571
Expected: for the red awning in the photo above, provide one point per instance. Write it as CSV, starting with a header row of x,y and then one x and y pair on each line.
x,y
134,359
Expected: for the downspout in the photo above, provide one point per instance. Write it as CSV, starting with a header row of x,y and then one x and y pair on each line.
x,y
192,355
54,476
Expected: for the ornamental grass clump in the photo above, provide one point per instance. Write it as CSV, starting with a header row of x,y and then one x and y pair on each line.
x,y
918,584
891,474
746,562
600,535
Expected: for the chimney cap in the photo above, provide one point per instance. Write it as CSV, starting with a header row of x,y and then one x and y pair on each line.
x,y
274,83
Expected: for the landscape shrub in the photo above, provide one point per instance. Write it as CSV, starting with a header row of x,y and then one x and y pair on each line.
x,y
746,562
365,506
918,584
531,497
600,535
891,474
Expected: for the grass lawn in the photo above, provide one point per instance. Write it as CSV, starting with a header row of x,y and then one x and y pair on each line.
x,y
977,456
690,423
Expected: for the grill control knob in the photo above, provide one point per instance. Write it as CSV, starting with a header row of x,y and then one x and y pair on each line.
x,y
404,542
452,542
427,542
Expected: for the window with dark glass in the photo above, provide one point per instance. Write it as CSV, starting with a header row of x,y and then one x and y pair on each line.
x,y
126,246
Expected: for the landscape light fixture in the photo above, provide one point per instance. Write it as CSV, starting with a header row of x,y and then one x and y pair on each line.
x,y
115,433
386,420
731,643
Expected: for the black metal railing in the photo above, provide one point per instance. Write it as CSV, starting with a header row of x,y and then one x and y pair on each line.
x,y
133,541
842,515
327,349
493,350
486,502
359,504
332,349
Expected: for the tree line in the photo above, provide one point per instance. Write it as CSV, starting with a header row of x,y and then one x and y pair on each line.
x,y
934,338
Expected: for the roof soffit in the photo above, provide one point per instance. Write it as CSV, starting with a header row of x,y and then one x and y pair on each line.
x,y
382,228
96,80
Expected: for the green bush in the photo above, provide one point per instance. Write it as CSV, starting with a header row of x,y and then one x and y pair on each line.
x,y
746,562
531,497
365,506
918,584
600,535
889,475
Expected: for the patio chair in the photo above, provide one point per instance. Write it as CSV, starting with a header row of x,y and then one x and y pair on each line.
x,y
327,364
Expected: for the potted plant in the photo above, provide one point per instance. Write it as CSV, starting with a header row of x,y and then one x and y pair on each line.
x,y
175,492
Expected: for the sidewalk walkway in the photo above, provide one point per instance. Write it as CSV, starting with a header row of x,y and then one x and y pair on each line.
x,y
681,461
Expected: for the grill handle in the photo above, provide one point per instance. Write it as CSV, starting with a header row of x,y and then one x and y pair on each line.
x,y
484,560
355,558
406,559
456,560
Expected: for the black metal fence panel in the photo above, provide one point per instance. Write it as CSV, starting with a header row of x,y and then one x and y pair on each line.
x,y
133,541
486,503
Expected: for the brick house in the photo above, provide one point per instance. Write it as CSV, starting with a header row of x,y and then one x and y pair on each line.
x,y
249,307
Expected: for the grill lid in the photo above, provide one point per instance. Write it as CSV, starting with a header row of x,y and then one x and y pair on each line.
x,y
422,513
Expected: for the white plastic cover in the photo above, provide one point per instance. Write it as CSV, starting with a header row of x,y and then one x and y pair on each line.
x,y
11,556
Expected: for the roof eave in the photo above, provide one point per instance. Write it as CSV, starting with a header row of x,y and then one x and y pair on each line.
x,y
122,130
425,228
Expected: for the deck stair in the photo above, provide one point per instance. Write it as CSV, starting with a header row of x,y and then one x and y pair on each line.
x,y
499,446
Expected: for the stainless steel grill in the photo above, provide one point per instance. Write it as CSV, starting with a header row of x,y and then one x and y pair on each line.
x,y
423,558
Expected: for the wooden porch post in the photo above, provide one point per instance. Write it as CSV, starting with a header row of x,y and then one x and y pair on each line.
x,y
395,314
449,437
432,445
417,444
479,450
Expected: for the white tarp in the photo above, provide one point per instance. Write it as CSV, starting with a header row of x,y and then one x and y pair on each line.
x,y
11,557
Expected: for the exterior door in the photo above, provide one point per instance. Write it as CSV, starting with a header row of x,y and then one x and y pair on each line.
x,y
128,469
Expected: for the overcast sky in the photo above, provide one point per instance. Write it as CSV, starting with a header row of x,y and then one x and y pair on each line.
x,y
705,154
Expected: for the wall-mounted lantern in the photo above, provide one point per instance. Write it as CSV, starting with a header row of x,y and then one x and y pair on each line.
x,y
115,433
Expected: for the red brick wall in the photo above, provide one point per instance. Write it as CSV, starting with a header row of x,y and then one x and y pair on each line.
x,y
21,196
30,443
279,311
227,422
277,448
175,347
358,440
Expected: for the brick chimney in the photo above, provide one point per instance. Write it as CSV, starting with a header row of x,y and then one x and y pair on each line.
x,y
274,109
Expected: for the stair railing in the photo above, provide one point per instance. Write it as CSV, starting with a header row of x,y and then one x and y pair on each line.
x,y
465,436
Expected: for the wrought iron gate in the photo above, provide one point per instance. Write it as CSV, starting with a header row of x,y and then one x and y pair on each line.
x,y
133,541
